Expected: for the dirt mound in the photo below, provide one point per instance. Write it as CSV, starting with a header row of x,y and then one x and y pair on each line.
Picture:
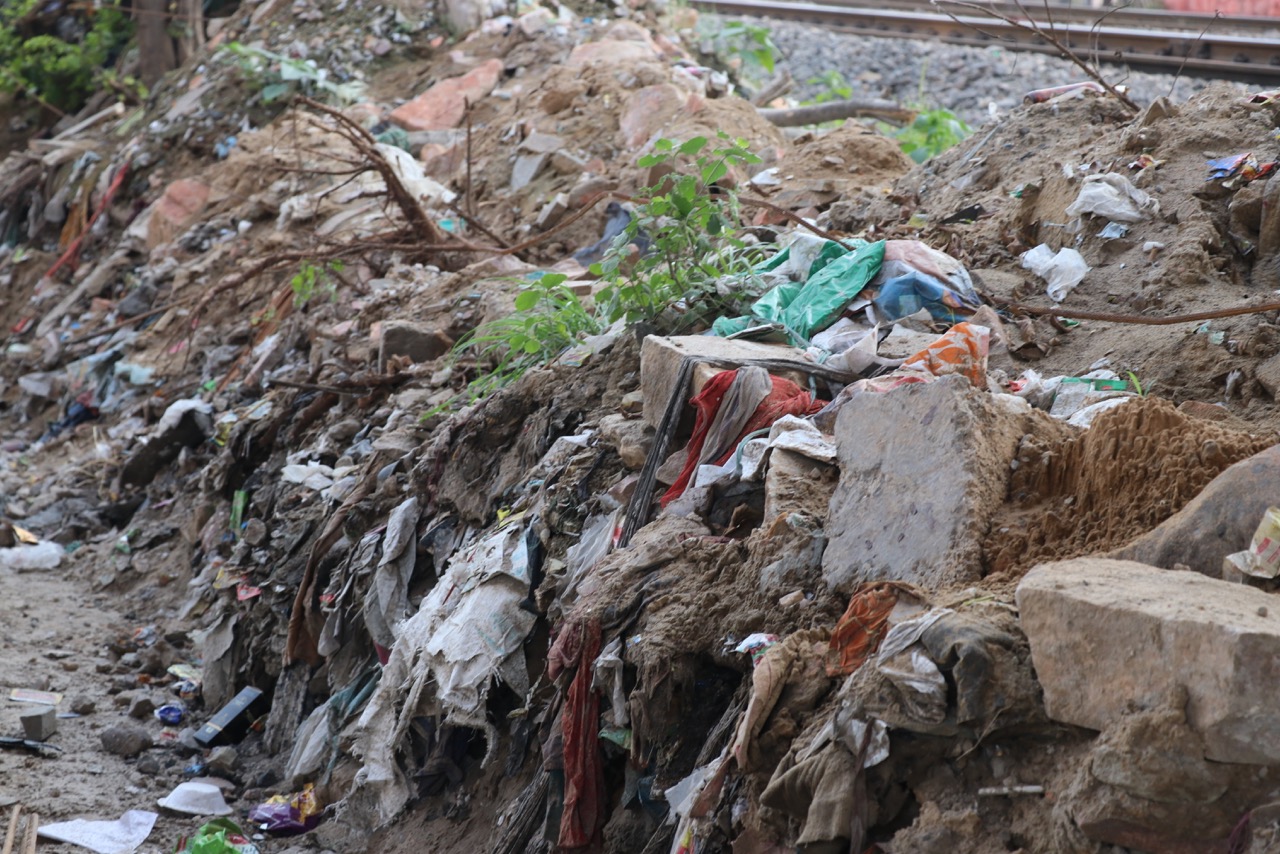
x,y
1098,489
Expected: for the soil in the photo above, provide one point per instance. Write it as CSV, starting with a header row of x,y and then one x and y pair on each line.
x,y
300,381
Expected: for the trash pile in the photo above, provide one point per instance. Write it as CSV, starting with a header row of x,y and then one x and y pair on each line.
x,y
879,559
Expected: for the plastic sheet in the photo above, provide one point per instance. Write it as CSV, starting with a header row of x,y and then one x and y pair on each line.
x,y
1063,270
809,307
1113,197
122,836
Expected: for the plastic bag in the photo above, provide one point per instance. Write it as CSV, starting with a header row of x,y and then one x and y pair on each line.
x,y
1062,271
907,294
290,816
804,309
1113,196
24,558
220,836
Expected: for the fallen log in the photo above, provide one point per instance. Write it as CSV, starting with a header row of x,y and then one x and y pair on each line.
x,y
832,110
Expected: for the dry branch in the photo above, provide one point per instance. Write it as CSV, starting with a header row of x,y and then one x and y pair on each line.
x,y
1030,25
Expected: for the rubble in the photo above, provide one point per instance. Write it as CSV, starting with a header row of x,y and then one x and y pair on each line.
x,y
800,527
1116,613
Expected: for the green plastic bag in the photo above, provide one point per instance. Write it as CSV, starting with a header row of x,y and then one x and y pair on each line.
x,y
220,836
836,278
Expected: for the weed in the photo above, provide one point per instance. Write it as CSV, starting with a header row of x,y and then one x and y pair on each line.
x,y
932,132
277,76
549,318
834,88
683,224
1137,386
58,70
309,279
686,225
746,49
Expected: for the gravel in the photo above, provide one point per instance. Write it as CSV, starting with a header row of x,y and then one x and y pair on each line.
x,y
973,82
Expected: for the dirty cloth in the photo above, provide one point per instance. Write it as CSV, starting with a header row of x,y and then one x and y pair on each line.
x,y
786,398
913,276
961,350
122,836
768,678
963,645
863,626
386,602
584,795
823,792
469,631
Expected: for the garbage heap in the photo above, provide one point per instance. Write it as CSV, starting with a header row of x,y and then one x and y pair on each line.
x,y
917,571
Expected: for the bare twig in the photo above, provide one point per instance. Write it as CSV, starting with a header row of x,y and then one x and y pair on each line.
x,y
366,145
776,88
466,102
1034,27
1187,55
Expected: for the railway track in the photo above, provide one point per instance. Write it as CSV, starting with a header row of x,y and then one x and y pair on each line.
x,y
1147,39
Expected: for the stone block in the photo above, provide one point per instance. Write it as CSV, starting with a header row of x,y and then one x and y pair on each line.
x,y
526,168
542,143
630,436
1108,636
795,483
1268,375
176,210
660,365
923,469
647,110
1217,522
40,725
444,104
610,52
417,341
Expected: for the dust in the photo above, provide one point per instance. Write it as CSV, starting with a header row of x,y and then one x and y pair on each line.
x,y
1098,489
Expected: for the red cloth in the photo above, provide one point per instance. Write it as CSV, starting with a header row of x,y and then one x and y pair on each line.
x,y
787,398
583,770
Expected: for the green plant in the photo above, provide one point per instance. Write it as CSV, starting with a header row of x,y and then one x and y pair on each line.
x,y
834,88
311,278
684,229
58,72
746,49
688,231
1137,386
277,76
548,319
932,132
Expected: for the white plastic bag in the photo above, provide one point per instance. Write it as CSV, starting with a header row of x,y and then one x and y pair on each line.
x,y
1113,197
24,558
1063,271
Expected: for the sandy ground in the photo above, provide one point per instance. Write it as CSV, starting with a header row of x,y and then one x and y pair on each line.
x,y
54,637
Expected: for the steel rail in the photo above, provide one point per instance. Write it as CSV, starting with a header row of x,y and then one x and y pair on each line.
x,y
1115,16
1227,55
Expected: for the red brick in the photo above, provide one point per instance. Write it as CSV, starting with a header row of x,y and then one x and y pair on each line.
x,y
443,106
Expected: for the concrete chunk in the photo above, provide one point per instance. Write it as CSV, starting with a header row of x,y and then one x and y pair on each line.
x,y
40,725
1110,635
923,470
421,343
660,365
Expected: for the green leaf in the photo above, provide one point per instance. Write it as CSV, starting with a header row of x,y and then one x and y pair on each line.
x,y
714,172
651,160
551,280
275,91
694,145
663,145
526,300
714,224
